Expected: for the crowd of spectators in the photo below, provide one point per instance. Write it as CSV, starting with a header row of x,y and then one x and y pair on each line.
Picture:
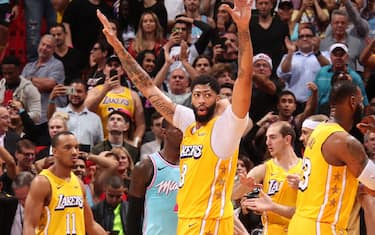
x,y
72,80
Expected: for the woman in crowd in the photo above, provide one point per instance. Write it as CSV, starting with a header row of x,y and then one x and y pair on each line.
x,y
223,21
149,35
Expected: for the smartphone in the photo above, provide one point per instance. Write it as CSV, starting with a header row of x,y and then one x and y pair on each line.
x,y
222,43
112,73
176,30
253,194
70,90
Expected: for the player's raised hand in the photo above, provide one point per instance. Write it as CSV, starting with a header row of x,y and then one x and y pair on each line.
x,y
241,13
109,33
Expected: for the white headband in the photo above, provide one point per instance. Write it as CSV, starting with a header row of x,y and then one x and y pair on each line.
x,y
310,124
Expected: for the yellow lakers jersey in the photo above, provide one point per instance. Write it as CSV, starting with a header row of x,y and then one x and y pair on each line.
x,y
276,186
326,192
64,214
206,181
115,101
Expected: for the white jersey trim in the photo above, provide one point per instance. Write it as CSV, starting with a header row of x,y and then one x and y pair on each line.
x,y
325,202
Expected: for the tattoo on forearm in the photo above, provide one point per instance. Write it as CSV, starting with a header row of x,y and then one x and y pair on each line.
x,y
136,74
161,105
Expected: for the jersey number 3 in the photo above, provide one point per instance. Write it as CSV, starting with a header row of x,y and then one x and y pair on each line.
x,y
182,175
306,167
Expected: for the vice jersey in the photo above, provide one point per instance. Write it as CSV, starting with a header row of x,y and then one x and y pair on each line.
x,y
114,101
206,181
160,215
326,192
276,186
64,214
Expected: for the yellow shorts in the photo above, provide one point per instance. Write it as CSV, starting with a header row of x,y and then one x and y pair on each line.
x,y
271,229
205,227
299,225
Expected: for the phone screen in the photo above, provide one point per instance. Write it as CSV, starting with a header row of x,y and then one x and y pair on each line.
x,y
112,73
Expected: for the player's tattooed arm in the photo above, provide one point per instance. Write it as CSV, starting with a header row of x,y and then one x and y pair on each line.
x,y
137,75
358,158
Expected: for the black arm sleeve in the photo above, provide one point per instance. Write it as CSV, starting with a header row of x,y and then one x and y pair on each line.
x,y
29,127
159,61
205,37
134,219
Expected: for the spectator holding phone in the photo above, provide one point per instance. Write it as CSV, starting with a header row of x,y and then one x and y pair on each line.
x,y
83,123
110,96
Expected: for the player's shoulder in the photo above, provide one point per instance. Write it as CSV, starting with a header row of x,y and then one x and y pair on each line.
x,y
40,186
144,165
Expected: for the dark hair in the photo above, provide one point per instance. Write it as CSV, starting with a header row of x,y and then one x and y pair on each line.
x,y
216,9
247,162
308,26
24,143
227,85
286,92
287,129
104,46
178,21
341,90
142,54
11,59
114,181
59,25
82,158
55,139
79,81
155,116
206,80
202,57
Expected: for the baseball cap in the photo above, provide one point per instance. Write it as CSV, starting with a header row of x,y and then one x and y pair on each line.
x,y
113,58
338,46
122,112
286,3
262,56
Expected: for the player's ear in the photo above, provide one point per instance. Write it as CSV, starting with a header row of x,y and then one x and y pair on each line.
x,y
218,97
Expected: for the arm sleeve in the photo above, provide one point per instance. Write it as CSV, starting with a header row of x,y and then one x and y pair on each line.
x,y
284,76
204,39
29,127
34,108
134,216
183,117
225,141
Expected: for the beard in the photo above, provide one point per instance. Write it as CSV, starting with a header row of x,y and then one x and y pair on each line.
x,y
77,105
358,114
207,117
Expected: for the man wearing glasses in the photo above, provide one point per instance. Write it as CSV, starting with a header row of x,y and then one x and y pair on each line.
x,y
301,64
